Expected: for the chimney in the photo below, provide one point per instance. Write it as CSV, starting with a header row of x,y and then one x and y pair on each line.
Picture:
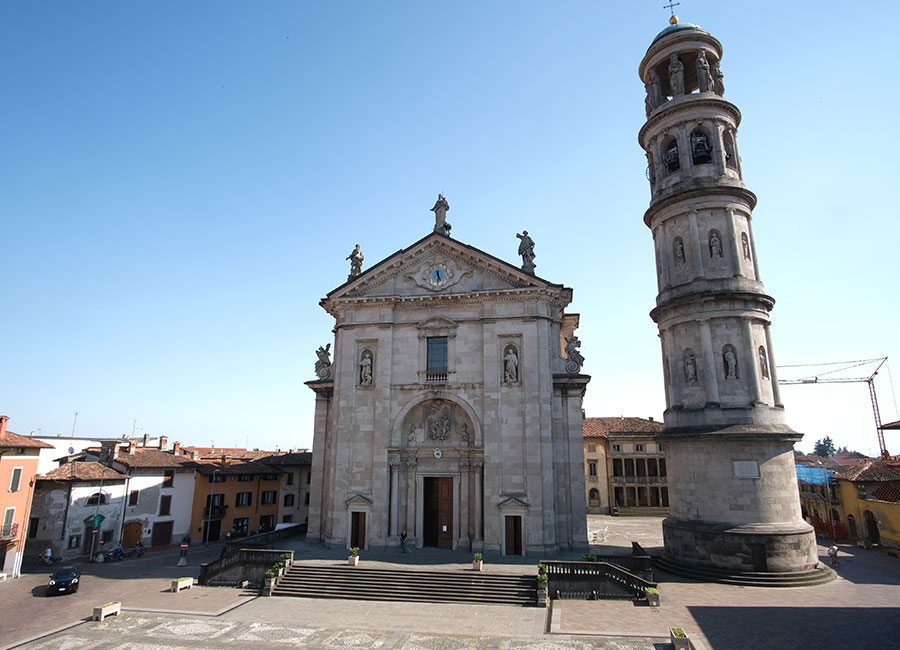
x,y
176,447
650,418
163,441
132,447
3,420
146,439
195,455
109,449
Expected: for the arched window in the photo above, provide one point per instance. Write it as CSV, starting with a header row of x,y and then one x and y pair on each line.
x,y
730,156
730,362
701,151
670,156
651,173
97,499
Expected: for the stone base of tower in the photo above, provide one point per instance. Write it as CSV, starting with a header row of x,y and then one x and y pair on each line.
x,y
740,549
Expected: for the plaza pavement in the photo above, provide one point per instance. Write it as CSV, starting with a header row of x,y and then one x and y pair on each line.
x,y
857,610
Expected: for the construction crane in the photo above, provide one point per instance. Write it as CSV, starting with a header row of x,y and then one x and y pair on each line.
x,y
870,380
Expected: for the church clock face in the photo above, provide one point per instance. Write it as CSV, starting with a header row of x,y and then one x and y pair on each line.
x,y
437,452
438,275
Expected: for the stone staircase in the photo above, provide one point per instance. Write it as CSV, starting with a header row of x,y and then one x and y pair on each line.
x,y
361,583
818,576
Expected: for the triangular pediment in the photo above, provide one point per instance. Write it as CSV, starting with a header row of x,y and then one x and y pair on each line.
x,y
437,266
358,500
513,502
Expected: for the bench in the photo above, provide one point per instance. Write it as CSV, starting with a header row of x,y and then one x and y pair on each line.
x,y
182,583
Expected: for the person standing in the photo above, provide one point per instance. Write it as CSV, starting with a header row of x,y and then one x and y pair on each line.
x,y
403,542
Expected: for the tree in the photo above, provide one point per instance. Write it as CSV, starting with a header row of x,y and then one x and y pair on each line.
x,y
824,447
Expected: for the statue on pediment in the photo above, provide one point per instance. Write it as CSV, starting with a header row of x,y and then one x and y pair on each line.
x,y
526,250
323,365
356,258
574,358
441,225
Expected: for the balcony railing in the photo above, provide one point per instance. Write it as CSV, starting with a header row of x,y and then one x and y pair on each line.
x,y
217,512
639,479
433,377
9,531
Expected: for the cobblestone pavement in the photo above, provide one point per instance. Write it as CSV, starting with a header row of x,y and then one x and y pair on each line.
x,y
860,609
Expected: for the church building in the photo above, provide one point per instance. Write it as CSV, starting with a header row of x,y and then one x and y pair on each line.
x,y
452,409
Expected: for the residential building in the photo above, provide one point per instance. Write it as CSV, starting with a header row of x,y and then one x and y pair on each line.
x,y
870,496
233,495
18,467
625,466
293,499
75,507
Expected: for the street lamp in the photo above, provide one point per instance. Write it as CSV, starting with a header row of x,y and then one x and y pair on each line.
x,y
96,520
209,508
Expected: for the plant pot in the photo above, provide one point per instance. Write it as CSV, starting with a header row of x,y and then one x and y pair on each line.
x,y
542,597
477,564
680,642
353,560
653,600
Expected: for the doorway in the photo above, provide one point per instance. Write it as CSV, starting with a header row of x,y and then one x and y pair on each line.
x,y
212,530
131,534
437,518
162,533
872,527
358,529
513,535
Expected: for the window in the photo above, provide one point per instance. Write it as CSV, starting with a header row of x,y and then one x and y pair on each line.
x,y
217,478
660,448
266,522
592,468
306,502
617,447
700,150
287,519
169,479
269,477
133,497
74,541
33,527
97,499
288,500
243,499
8,517
165,505
16,479
269,497
670,157
244,477
241,525
639,447
107,536
290,478
308,476
437,354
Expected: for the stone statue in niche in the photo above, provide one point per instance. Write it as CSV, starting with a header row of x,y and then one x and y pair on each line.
x,y
574,359
715,245
441,225
763,363
654,90
730,364
704,77
323,365
365,369
730,159
676,76
718,79
411,438
464,433
745,245
526,250
356,259
690,369
510,365
679,252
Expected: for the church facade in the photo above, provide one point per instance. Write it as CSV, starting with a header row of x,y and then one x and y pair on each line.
x,y
451,409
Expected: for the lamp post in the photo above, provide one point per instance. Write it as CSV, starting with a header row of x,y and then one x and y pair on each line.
x,y
96,522
209,508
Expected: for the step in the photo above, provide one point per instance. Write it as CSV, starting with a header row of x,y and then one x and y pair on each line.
x,y
818,576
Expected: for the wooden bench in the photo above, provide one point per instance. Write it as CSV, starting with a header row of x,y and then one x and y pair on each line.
x,y
108,609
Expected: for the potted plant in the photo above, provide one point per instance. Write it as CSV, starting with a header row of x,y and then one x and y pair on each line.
x,y
353,558
588,557
652,596
679,639
542,588
278,567
476,562
270,582
287,559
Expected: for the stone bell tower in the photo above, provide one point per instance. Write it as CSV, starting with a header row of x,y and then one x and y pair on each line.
x,y
732,483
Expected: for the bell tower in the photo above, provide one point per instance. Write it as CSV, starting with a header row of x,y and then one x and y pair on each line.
x,y
733,490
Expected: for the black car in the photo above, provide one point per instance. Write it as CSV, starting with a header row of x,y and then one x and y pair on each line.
x,y
64,581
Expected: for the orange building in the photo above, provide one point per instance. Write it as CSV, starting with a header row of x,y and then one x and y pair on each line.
x,y
18,466
237,495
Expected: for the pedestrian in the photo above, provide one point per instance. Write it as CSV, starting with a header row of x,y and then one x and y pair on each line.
x,y
833,556
403,542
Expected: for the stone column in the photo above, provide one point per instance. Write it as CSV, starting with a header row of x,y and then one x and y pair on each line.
x,y
412,499
666,257
776,391
751,360
463,541
395,497
710,358
684,150
718,153
699,272
420,511
477,466
753,249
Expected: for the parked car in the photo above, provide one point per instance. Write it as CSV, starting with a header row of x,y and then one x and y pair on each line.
x,y
64,581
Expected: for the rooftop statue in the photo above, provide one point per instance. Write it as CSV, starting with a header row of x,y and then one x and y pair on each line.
x,y
323,365
356,258
441,225
526,250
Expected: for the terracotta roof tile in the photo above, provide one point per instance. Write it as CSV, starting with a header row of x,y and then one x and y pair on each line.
x,y
10,439
602,427
208,467
82,471
151,458
875,470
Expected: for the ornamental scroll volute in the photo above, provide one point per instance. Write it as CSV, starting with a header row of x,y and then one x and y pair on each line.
x,y
438,422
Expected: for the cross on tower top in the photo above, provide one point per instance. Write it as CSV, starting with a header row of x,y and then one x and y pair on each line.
x,y
671,7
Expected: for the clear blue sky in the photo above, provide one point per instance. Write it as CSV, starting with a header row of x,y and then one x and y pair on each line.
x,y
181,183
